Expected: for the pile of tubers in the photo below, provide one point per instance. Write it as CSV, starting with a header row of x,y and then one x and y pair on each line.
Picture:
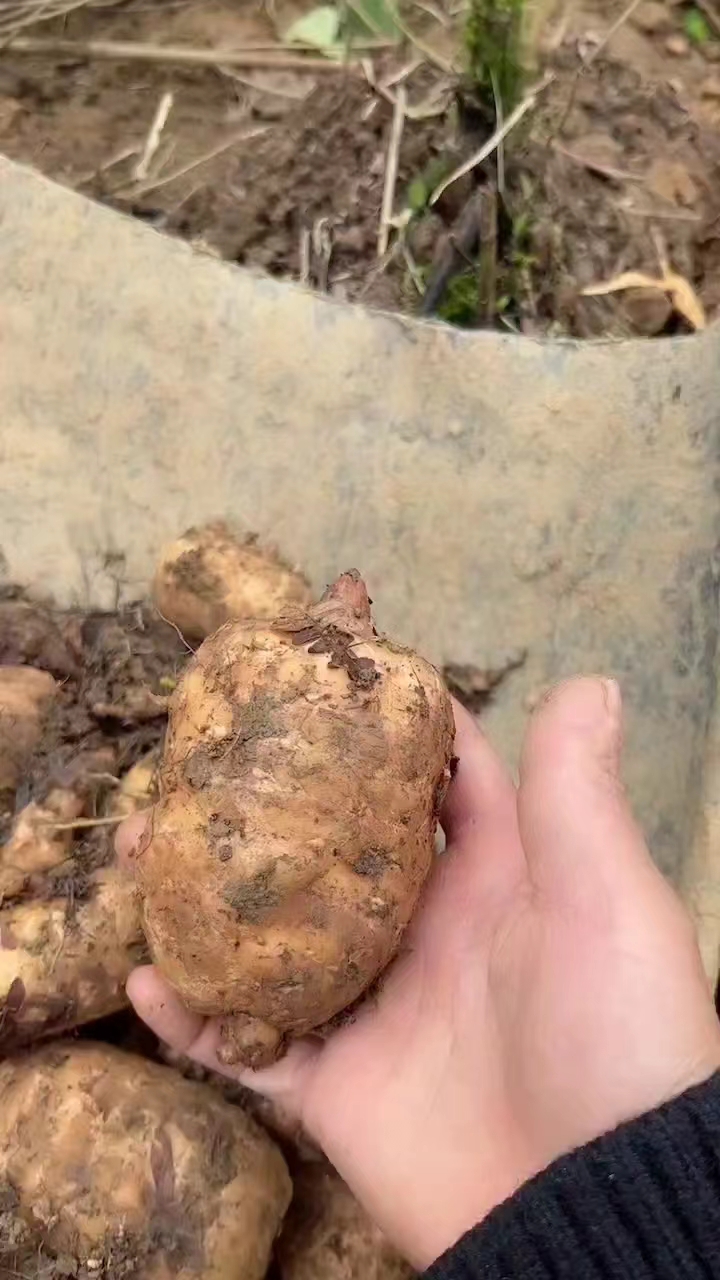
x,y
294,814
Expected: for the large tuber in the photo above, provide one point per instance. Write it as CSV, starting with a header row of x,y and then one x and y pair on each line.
x,y
303,770
26,696
113,1166
327,1235
211,575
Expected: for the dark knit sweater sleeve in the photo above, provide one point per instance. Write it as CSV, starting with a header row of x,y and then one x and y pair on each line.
x,y
641,1203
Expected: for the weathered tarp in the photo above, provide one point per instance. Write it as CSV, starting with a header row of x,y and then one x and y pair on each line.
x,y
499,494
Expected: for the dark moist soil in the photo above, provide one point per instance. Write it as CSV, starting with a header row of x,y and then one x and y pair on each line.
x,y
617,166
114,673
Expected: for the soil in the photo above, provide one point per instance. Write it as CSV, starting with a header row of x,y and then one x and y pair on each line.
x,y
114,672
615,169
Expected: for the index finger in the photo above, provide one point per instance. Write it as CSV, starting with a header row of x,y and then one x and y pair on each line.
x,y
128,835
481,790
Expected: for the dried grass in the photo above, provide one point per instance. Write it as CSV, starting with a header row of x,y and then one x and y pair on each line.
x,y
18,15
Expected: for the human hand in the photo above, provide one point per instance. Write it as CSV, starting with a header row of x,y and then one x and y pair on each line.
x,y
550,988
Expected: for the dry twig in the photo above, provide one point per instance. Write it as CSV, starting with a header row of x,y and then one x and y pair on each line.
x,y
605,170
400,74
177,631
164,179
118,157
684,298
619,22
28,15
152,142
488,147
187,55
81,823
391,169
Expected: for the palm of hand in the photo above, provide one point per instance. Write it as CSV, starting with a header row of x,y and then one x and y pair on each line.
x,y
549,989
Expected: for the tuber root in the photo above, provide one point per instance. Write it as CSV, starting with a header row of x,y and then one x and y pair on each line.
x,y
119,1166
304,766
328,1234
25,699
210,575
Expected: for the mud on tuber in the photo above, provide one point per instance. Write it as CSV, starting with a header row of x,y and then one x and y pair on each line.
x,y
304,766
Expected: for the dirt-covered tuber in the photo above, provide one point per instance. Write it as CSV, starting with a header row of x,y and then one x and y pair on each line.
x,y
39,841
137,788
114,1166
304,766
69,936
26,696
64,962
29,634
211,575
328,1234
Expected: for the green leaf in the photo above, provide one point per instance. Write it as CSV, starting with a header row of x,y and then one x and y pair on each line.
x,y
418,194
320,28
372,17
696,28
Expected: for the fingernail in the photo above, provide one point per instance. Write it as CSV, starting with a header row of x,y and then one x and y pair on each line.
x,y
613,698
589,703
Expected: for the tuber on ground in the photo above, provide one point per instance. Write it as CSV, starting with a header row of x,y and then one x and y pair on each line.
x,y
66,949
137,788
64,962
304,766
40,840
29,634
271,1113
210,575
26,696
328,1235
114,1166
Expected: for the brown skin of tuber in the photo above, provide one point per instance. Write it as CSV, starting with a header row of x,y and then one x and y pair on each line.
x,y
34,844
137,789
64,961
121,1164
328,1234
30,636
211,575
26,696
303,770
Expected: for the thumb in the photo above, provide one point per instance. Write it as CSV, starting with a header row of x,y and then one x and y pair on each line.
x,y
580,838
